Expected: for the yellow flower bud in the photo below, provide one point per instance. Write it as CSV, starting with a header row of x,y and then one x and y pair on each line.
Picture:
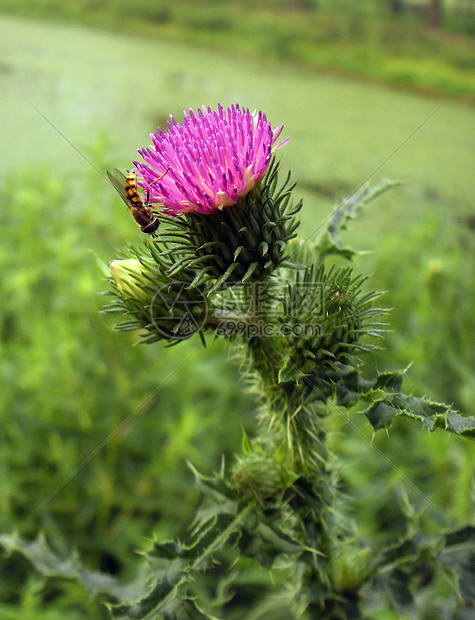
x,y
127,274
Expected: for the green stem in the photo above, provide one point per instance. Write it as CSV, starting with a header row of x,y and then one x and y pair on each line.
x,y
293,423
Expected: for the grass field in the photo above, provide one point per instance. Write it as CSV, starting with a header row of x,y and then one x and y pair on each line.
x,y
69,380
353,38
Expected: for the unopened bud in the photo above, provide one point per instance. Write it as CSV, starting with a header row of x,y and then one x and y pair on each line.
x,y
127,274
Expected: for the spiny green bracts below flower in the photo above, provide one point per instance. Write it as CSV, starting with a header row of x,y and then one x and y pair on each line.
x,y
240,243
164,309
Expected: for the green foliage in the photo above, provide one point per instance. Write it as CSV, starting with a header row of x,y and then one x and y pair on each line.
x,y
421,563
386,402
199,579
357,38
69,382
51,566
431,293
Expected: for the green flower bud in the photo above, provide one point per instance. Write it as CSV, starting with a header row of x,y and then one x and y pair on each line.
x,y
258,476
164,308
349,568
326,315
127,274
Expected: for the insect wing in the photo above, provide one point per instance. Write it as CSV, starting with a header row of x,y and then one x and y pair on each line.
x,y
117,178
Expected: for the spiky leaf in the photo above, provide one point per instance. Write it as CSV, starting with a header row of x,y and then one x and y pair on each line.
x,y
329,241
415,563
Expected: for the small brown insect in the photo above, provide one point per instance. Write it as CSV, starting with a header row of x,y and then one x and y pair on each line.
x,y
126,187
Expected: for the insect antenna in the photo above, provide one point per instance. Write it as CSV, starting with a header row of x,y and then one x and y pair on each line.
x,y
154,181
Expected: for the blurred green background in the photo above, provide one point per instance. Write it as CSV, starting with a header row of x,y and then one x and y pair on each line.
x,y
351,81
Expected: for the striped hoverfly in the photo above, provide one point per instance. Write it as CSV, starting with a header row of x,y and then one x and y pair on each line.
x,y
127,188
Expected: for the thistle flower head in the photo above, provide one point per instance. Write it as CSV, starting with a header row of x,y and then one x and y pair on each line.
x,y
213,159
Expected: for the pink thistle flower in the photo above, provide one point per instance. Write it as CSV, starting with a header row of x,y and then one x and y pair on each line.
x,y
213,159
